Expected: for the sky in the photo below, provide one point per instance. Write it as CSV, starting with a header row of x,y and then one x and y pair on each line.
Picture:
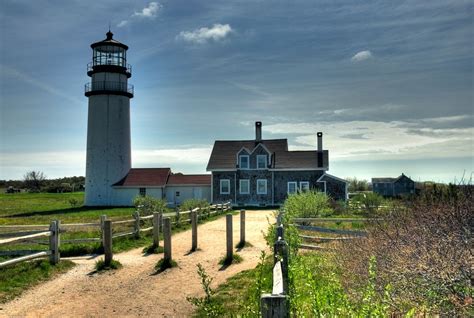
x,y
389,83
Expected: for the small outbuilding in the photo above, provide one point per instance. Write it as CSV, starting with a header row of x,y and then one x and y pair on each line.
x,y
393,187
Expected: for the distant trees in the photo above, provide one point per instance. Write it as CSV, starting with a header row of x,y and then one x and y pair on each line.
x,y
358,185
33,180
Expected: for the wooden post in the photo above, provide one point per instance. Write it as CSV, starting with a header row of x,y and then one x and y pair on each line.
x,y
273,306
54,242
102,219
108,255
178,216
280,249
167,238
242,227
230,245
194,222
136,216
156,229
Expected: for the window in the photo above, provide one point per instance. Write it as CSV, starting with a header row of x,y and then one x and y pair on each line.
x,y
292,187
261,186
244,186
244,162
261,161
142,192
225,186
304,186
177,193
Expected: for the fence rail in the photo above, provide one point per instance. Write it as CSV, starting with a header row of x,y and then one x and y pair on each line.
x,y
31,232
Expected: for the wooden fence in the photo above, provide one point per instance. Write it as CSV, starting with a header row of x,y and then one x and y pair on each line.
x,y
306,225
30,233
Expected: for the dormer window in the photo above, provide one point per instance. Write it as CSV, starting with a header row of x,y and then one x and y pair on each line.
x,y
262,161
244,162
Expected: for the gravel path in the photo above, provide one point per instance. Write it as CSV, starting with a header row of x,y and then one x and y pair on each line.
x,y
135,290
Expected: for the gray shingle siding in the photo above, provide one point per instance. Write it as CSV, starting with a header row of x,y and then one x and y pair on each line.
x,y
393,187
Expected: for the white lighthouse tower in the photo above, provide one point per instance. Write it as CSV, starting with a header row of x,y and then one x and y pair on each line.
x,y
108,128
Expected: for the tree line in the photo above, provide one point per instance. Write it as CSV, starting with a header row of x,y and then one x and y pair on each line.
x,y
37,181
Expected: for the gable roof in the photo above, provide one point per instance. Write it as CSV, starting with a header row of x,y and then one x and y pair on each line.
x,y
151,177
390,180
189,179
223,156
224,151
299,160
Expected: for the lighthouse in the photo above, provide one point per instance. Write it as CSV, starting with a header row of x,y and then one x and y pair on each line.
x,y
108,127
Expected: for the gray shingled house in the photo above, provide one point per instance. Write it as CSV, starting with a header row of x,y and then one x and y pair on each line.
x,y
393,187
263,172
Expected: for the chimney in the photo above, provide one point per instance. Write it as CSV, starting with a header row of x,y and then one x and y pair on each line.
x,y
258,131
320,141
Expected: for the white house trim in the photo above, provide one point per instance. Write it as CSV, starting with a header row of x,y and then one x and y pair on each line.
x,y
266,186
266,162
220,188
288,187
240,186
331,176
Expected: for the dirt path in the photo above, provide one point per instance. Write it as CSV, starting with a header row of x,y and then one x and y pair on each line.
x,y
134,290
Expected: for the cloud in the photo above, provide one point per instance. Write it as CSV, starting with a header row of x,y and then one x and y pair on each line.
x,y
362,56
200,36
148,12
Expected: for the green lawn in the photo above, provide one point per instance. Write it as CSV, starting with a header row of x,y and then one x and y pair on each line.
x,y
41,208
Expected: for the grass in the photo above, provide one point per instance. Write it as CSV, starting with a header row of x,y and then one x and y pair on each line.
x,y
153,249
100,265
15,279
236,258
241,245
164,264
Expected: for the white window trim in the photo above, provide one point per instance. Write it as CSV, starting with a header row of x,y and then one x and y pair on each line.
x,y
240,162
228,182
266,162
301,185
248,186
266,186
288,187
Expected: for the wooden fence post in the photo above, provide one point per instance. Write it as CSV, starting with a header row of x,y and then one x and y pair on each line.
x,y
242,227
108,242
167,239
230,245
136,216
156,229
280,249
102,220
273,306
54,242
194,230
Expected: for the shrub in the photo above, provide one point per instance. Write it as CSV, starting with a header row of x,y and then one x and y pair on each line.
x,y
100,265
206,304
147,205
422,250
370,202
307,204
73,202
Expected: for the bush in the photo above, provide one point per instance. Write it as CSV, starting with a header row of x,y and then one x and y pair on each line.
x,y
370,202
147,205
307,205
422,250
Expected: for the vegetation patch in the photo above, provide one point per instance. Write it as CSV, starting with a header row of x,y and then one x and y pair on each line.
x,y
207,306
164,264
236,258
100,265
153,249
19,277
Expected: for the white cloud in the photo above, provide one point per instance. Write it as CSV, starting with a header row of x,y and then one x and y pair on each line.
x,y
148,12
374,140
362,56
122,23
202,35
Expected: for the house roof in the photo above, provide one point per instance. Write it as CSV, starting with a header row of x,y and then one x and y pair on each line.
x,y
151,177
224,152
189,179
383,180
224,155
299,160
389,180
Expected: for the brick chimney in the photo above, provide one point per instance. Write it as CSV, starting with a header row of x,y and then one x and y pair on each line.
x,y
258,131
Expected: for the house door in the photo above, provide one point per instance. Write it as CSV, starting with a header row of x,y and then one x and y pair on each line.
x,y
197,193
